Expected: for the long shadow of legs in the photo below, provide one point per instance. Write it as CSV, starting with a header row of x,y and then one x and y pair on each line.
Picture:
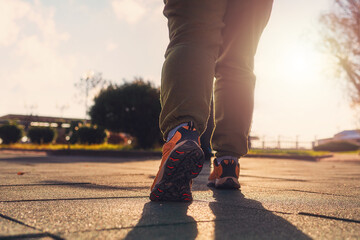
x,y
240,218
164,221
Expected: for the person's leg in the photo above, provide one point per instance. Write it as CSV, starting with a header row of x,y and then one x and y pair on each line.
x,y
234,87
189,67
235,79
206,137
186,88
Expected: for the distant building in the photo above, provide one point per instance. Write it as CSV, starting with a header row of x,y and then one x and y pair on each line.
x,y
61,124
41,121
352,136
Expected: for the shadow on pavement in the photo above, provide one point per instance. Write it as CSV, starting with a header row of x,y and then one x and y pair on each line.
x,y
164,221
92,186
236,217
240,218
69,159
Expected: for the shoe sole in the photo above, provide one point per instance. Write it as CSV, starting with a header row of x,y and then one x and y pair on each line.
x,y
211,184
227,183
184,163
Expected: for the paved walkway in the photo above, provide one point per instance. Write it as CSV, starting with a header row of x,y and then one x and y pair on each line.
x,y
338,157
107,198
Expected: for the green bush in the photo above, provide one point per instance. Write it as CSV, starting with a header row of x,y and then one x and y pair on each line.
x,y
339,146
74,137
72,131
41,135
91,135
10,133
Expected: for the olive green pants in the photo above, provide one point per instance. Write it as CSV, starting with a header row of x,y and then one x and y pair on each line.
x,y
212,38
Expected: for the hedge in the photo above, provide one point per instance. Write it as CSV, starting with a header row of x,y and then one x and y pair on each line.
x,y
40,135
10,133
91,135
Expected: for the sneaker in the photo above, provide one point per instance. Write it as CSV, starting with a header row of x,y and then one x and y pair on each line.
x,y
182,161
225,175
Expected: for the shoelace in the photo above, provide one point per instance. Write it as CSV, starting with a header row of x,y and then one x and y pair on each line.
x,y
191,126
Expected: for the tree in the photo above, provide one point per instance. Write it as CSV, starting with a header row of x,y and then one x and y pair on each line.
x,y
132,108
341,38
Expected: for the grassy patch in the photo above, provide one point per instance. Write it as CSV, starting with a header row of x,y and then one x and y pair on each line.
x,y
289,152
104,146
117,147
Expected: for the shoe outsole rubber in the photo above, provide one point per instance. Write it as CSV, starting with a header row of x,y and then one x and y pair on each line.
x,y
228,184
184,163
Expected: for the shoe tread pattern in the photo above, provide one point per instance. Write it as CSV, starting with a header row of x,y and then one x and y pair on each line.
x,y
228,184
184,163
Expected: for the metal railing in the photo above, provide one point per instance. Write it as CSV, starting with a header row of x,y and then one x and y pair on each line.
x,y
280,143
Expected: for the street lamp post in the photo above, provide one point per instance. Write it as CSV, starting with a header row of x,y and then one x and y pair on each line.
x,y
86,78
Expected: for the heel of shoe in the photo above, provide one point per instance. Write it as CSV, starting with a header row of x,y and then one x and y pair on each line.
x,y
186,161
227,183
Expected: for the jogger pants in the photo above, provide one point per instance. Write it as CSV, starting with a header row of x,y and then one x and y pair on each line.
x,y
212,39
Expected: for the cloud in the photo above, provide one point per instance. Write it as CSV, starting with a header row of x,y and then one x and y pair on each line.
x,y
111,46
10,13
129,10
32,62
16,15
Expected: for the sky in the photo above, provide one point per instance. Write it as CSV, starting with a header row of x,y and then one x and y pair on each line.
x,y
46,46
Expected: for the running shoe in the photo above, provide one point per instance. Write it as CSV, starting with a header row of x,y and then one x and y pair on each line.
x,y
225,175
182,160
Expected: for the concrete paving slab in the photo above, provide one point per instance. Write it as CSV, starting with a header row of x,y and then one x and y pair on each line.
x,y
321,228
182,231
294,202
76,215
10,228
95,198
71,219
36,169
154,219
70,191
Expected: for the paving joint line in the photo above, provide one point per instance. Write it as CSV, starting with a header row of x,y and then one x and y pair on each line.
x,y
329,217
153,225
165,224
292,213
244,207
43,184
297,190
278,179
207,221
25,236
69,199
330,194
26,225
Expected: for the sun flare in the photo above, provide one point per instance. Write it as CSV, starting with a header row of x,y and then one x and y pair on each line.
x,y
301,61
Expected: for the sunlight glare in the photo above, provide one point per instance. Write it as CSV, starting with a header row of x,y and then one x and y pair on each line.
x,y
300,61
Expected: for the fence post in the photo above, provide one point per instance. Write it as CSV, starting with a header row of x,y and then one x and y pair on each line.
x,y
279,145
297,142
263,142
